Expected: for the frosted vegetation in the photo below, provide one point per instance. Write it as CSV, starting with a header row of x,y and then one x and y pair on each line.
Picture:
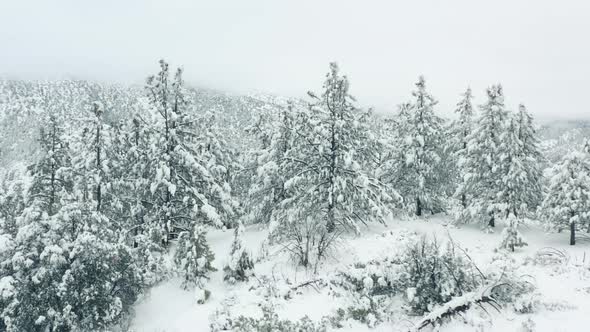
x,y
111,193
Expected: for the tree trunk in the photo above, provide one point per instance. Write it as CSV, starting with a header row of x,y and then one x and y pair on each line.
x,y
464,201
418,207
492,222
330,224
98,161
572,233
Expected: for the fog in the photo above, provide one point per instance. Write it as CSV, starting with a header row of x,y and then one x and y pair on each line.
x,y
537,49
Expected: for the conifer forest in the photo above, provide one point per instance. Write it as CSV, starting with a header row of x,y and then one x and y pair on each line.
x,y
166,204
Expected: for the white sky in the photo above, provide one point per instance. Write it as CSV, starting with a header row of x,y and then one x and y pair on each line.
x,y
539,50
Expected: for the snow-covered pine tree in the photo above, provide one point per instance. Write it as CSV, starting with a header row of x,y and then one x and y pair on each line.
x,y
532,159
420,132
267,186
131,166
193,257
91,163
52,172
220,160
101,282
240,265
131,169
13,198
567,203
461,129
520,186
326,177
511,237
183,190
42,252
483,164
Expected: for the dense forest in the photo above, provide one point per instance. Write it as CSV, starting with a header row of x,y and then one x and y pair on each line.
x,y
108,190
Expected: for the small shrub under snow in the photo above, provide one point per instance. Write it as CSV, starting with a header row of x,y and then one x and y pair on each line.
x,y
240,266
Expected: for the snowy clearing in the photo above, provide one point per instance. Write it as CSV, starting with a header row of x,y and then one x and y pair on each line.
x,y
563,288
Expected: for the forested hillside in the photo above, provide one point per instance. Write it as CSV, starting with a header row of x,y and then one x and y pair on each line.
x,y
107,191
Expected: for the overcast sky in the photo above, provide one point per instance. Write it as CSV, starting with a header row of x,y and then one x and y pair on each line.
x,y
539,50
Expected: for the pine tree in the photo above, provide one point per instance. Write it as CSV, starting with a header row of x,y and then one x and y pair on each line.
x,y
91,163
240,266
193,257
420,133
483,165
100,284
131,168
567,202
324,165
461,129
531,195
520,186
183,190
511,237
13,198
267,187
52,183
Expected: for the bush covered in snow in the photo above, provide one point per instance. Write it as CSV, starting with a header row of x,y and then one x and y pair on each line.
x,y
88,284
307,241
511,237
270,322
512,288
434,275
240,265
424,273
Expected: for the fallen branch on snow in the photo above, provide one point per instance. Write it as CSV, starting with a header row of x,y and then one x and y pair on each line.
x,y
312,282
458,305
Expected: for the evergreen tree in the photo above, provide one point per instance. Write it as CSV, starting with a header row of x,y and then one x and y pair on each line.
x,y
13,198
511,237
183,190
324,166
532,159
567,203
52,182
240,266
65,251
483,165
100,284
131,168
193,257
420,133
461,129
90,163
267,187
520,187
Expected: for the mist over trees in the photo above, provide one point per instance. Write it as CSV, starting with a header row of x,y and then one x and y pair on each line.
x,y
99,183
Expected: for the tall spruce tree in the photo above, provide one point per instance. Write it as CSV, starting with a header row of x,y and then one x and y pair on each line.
x,y
461,129
324,165
184,192
521,180
420,133
567,203
267,186
52,182
483,165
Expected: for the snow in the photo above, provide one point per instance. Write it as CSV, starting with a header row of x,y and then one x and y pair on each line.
x,y
563,289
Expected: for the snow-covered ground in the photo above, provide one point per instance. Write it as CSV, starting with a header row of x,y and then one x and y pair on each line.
x,y
564,288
